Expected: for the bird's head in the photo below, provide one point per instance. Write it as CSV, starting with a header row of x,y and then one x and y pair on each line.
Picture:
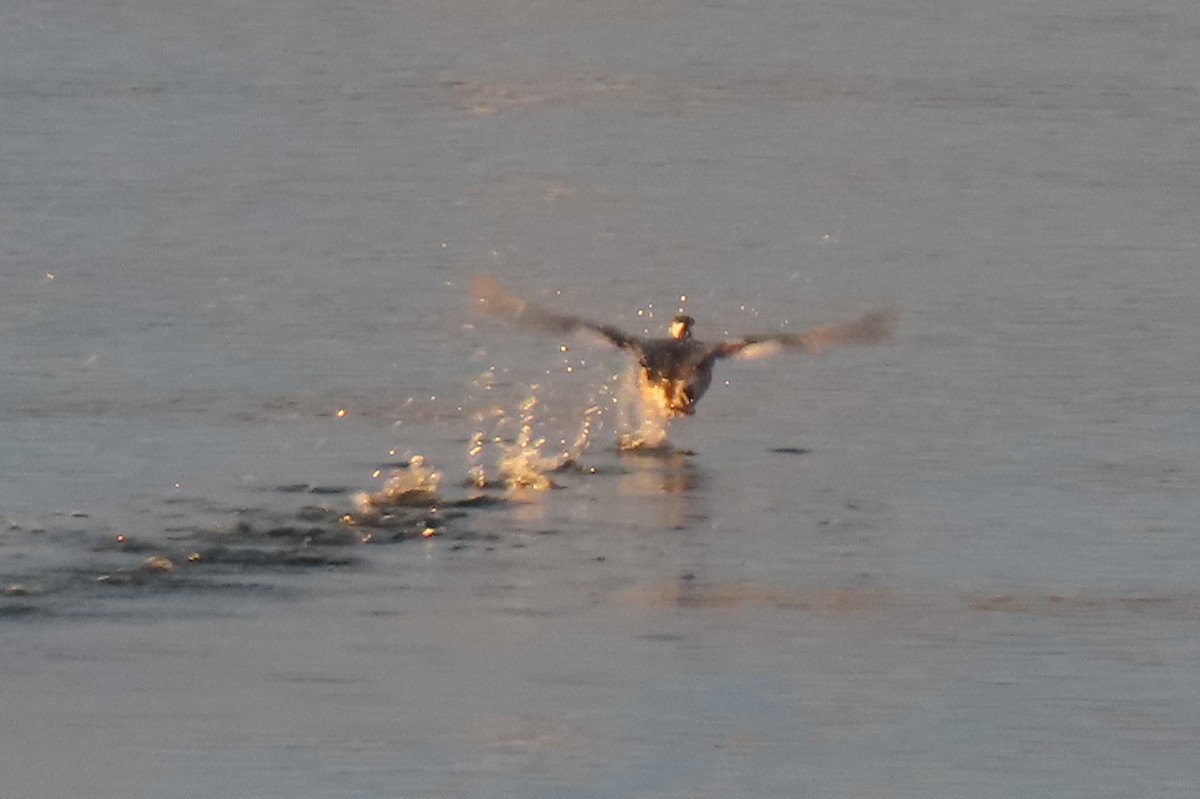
x,y
681,327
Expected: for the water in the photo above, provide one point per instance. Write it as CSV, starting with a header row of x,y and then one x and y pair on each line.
x,y
961,563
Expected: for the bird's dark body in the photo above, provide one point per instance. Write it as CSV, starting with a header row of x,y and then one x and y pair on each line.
x,y
682,369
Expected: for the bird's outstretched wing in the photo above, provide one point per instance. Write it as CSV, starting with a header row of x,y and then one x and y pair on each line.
x,y
491,299
870,329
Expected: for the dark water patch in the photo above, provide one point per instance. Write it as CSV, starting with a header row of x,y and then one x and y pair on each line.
x,y
483,501
140,581
450,515
59,590
664,638
308,488
92,569
328,490
664,451
317,513
90,591
790,450
20,610
312,536
266,558
490,538
294,488
384,466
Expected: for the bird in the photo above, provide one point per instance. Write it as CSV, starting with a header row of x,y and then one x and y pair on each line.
x,y
680,367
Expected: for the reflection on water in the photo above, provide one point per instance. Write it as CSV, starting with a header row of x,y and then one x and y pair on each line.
x,y
663,471
672,477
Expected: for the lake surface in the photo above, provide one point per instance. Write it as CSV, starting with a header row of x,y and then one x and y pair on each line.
x,y
235,245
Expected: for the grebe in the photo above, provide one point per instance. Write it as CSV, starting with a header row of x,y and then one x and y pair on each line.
x,y
680,367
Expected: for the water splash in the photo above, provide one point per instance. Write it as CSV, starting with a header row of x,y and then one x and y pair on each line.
x,y
415,485
523,462
643,412
476,473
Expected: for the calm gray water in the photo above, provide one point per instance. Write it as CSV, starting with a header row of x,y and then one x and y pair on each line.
x,y
963,563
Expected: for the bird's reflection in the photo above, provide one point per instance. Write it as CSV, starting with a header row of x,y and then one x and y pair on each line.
x,y
670,474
